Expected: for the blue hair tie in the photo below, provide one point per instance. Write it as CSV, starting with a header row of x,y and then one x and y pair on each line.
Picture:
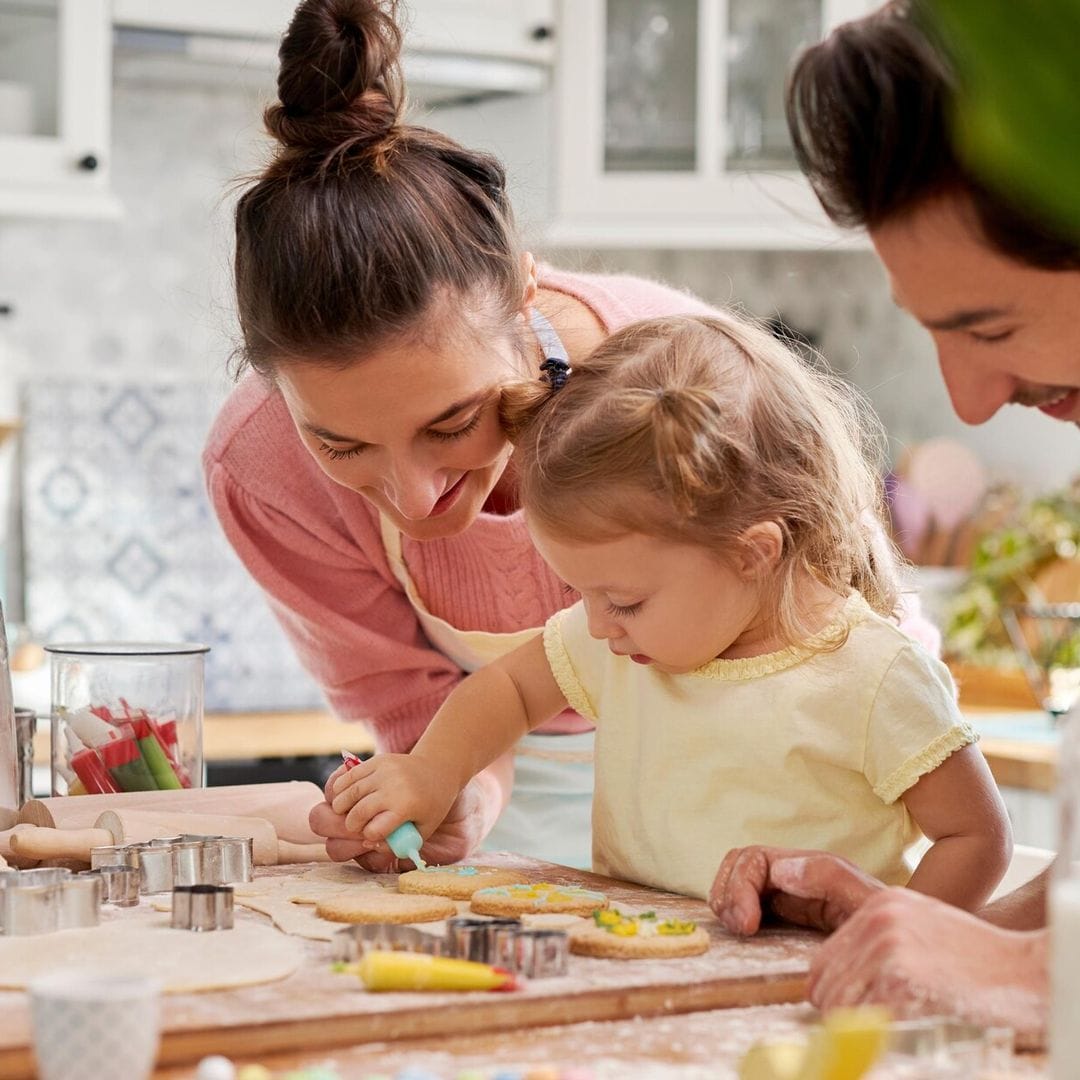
x,y
556,371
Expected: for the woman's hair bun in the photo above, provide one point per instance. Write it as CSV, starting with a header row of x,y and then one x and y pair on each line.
x,y
339,84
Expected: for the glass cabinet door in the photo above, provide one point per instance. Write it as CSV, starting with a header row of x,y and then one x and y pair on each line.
x,y
671,127
29,67
761,38
650,89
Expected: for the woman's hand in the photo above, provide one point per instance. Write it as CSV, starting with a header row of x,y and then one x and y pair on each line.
x,y
466,823
809,888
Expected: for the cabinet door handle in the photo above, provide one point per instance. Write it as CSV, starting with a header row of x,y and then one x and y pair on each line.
x,y
542,33
88,163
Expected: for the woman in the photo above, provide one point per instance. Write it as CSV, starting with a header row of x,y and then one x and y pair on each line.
x,y
364,481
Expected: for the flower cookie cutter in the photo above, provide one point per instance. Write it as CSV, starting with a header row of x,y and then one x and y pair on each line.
x,y
351,942
46,899
503,942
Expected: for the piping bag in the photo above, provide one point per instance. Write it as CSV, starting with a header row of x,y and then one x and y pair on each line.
x,y
419,971
405,841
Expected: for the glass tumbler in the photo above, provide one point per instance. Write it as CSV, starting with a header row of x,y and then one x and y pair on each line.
x,y
126,717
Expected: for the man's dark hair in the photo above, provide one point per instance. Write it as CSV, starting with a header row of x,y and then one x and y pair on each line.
x,y
870,112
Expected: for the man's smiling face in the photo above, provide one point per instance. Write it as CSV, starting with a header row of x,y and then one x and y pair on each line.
x,y
1005,332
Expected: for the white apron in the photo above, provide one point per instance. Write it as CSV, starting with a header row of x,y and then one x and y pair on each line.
x,y
549,815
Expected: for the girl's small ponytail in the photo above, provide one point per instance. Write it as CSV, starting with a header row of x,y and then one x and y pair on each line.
x,y
521,404
686,424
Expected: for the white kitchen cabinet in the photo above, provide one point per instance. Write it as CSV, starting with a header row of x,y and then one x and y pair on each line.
x,y
55,71
509,29
670,126
456,51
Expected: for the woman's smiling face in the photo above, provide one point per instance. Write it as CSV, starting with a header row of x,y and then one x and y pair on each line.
x,y
412,426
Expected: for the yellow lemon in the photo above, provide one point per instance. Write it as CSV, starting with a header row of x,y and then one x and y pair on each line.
x,y
773,1061
846,1045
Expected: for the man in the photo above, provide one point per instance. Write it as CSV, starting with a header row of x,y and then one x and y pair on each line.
x,y
999,291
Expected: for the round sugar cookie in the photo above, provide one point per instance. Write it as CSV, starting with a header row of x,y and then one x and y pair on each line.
x,y
383,907
455,882
616,935
542,896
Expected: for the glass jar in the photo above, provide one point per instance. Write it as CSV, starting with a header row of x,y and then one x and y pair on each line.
x,y
126,717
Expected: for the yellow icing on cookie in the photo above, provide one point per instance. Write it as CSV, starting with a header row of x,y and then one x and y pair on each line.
x,y
646,924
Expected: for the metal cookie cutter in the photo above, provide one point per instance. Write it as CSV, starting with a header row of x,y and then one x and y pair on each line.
x,y
237,858
187,862
113,855
47,899
469,938
536,954
211,859
120,884
202,907
157,872
350,943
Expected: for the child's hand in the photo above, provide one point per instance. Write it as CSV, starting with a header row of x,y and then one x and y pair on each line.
x,y
387,790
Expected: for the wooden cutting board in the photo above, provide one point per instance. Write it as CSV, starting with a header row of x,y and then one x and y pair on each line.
x,y
316,1009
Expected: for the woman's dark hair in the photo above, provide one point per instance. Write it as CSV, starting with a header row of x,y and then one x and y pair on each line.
x,y
360,221
870,110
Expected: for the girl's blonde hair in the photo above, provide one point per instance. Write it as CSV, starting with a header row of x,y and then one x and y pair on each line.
x,y
695,429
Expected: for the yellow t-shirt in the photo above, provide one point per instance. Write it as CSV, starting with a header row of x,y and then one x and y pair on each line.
x,y
796,748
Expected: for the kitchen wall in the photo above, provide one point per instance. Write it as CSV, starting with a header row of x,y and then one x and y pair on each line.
x,y
147,296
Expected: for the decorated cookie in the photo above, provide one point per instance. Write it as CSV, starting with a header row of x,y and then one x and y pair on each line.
x,y
618,936
383,907
456,882
519,899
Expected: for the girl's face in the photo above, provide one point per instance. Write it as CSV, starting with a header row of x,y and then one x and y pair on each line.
x,y
413,427
675,606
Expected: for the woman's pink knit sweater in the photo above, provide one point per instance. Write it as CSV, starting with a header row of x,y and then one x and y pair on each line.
x,y
314,548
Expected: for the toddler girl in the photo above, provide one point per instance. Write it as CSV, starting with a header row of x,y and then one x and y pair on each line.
x,y
713,501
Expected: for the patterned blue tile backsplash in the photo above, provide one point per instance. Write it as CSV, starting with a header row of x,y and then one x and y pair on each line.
x,y
121,544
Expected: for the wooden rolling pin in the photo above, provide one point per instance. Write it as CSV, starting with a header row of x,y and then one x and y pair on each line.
x,y
18,862
285,805
134,826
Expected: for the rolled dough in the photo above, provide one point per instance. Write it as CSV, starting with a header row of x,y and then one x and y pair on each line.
x,y
181,961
